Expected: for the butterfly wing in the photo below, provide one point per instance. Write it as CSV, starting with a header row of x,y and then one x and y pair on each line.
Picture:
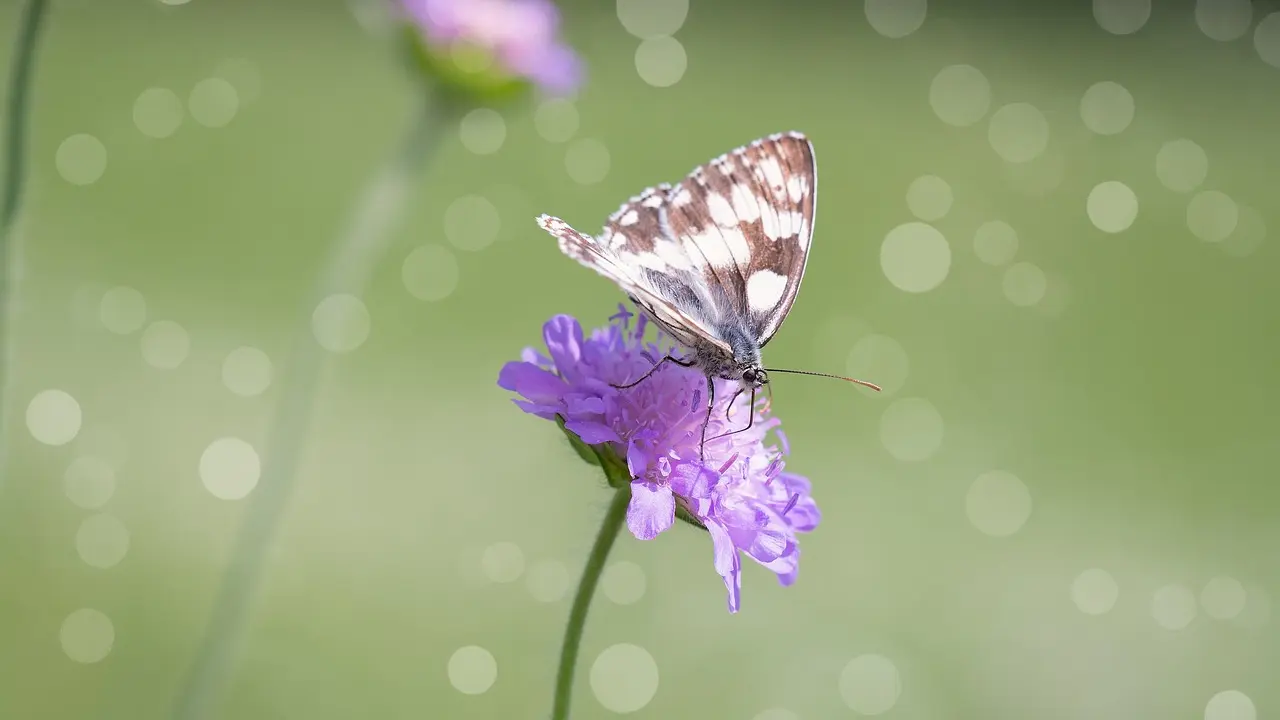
x,y
640,274
745,221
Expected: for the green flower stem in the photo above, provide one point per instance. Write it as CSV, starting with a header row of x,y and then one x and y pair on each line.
x,y
351,261
15,141
609,529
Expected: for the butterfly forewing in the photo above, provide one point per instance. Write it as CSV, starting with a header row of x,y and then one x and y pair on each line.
x,y
726,247
745,219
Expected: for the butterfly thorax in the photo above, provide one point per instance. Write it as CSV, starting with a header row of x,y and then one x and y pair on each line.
x,y
742,366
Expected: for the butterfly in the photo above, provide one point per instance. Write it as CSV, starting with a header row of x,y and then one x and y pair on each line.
x,y
715,260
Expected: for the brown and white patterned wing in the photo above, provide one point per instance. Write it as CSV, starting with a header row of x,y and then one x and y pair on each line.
x,y
673,305
745,221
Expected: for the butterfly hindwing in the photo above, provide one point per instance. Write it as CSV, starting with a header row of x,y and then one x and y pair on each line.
x,y
669,302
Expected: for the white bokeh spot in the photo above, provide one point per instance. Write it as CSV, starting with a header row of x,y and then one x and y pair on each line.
x,y
502,562
1223,598
960,95
122,310
472,670
896,19
246,371
89,482
661,61
547,580
1230,705
341,323
1107,108
1173,606
1095,592
998,503
81,159
430,272
915,257
165,344
1266,39
1018,132
472,223
623,582
482,131
102,541
1224,20
929,198
652,18
911,429
556,120
1024,284
879,357
87,635
995,242
157,112
1212,216
230,468
587,161
1121,17
1112,206
870,684
1181,165
624,678
54,417
213,102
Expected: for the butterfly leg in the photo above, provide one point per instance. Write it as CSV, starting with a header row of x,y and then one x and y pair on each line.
x,y
652,370
711,401
732,400
750,421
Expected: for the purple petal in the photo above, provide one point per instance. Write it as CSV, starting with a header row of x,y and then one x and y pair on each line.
x,y
652,509
786,567
691,480
578,404
727,564
591,433
544,411
531,381
637,460
782,441
563,336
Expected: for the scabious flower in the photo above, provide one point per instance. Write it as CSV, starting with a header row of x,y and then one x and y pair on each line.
x,y
494,45
739,493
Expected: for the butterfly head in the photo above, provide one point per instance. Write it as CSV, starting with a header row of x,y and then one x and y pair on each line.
x,y
753,377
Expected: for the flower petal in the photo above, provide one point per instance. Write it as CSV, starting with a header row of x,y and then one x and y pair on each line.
x,y
652,509
531,381
592,433
563,336
727,564
637,459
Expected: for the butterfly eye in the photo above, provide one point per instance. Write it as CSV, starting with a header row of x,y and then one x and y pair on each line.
x,y
749,375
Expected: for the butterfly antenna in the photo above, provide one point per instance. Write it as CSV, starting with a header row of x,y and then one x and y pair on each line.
x,y
855,381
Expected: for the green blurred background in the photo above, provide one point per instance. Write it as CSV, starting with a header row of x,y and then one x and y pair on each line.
x,y
1055,257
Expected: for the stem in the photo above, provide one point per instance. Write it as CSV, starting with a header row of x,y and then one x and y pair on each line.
x,y
613,520
351,261
23,68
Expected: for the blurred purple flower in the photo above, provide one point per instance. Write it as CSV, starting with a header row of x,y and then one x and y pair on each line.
x,y
521,35
740,495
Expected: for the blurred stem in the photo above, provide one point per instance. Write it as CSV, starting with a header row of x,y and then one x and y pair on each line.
x,y
609,529
347,269
22,69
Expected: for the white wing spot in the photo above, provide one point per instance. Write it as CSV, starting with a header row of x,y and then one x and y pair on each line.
x,y
652,201
717,253
796,188
769,224
765,289
721,211
745,205
681,197
772,173
630,217
737,242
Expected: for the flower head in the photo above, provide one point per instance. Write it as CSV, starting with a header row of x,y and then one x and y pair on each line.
x,y
497,44
739,493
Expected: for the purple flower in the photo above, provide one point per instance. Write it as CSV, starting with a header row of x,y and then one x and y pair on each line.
x,y
740,494
522,36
